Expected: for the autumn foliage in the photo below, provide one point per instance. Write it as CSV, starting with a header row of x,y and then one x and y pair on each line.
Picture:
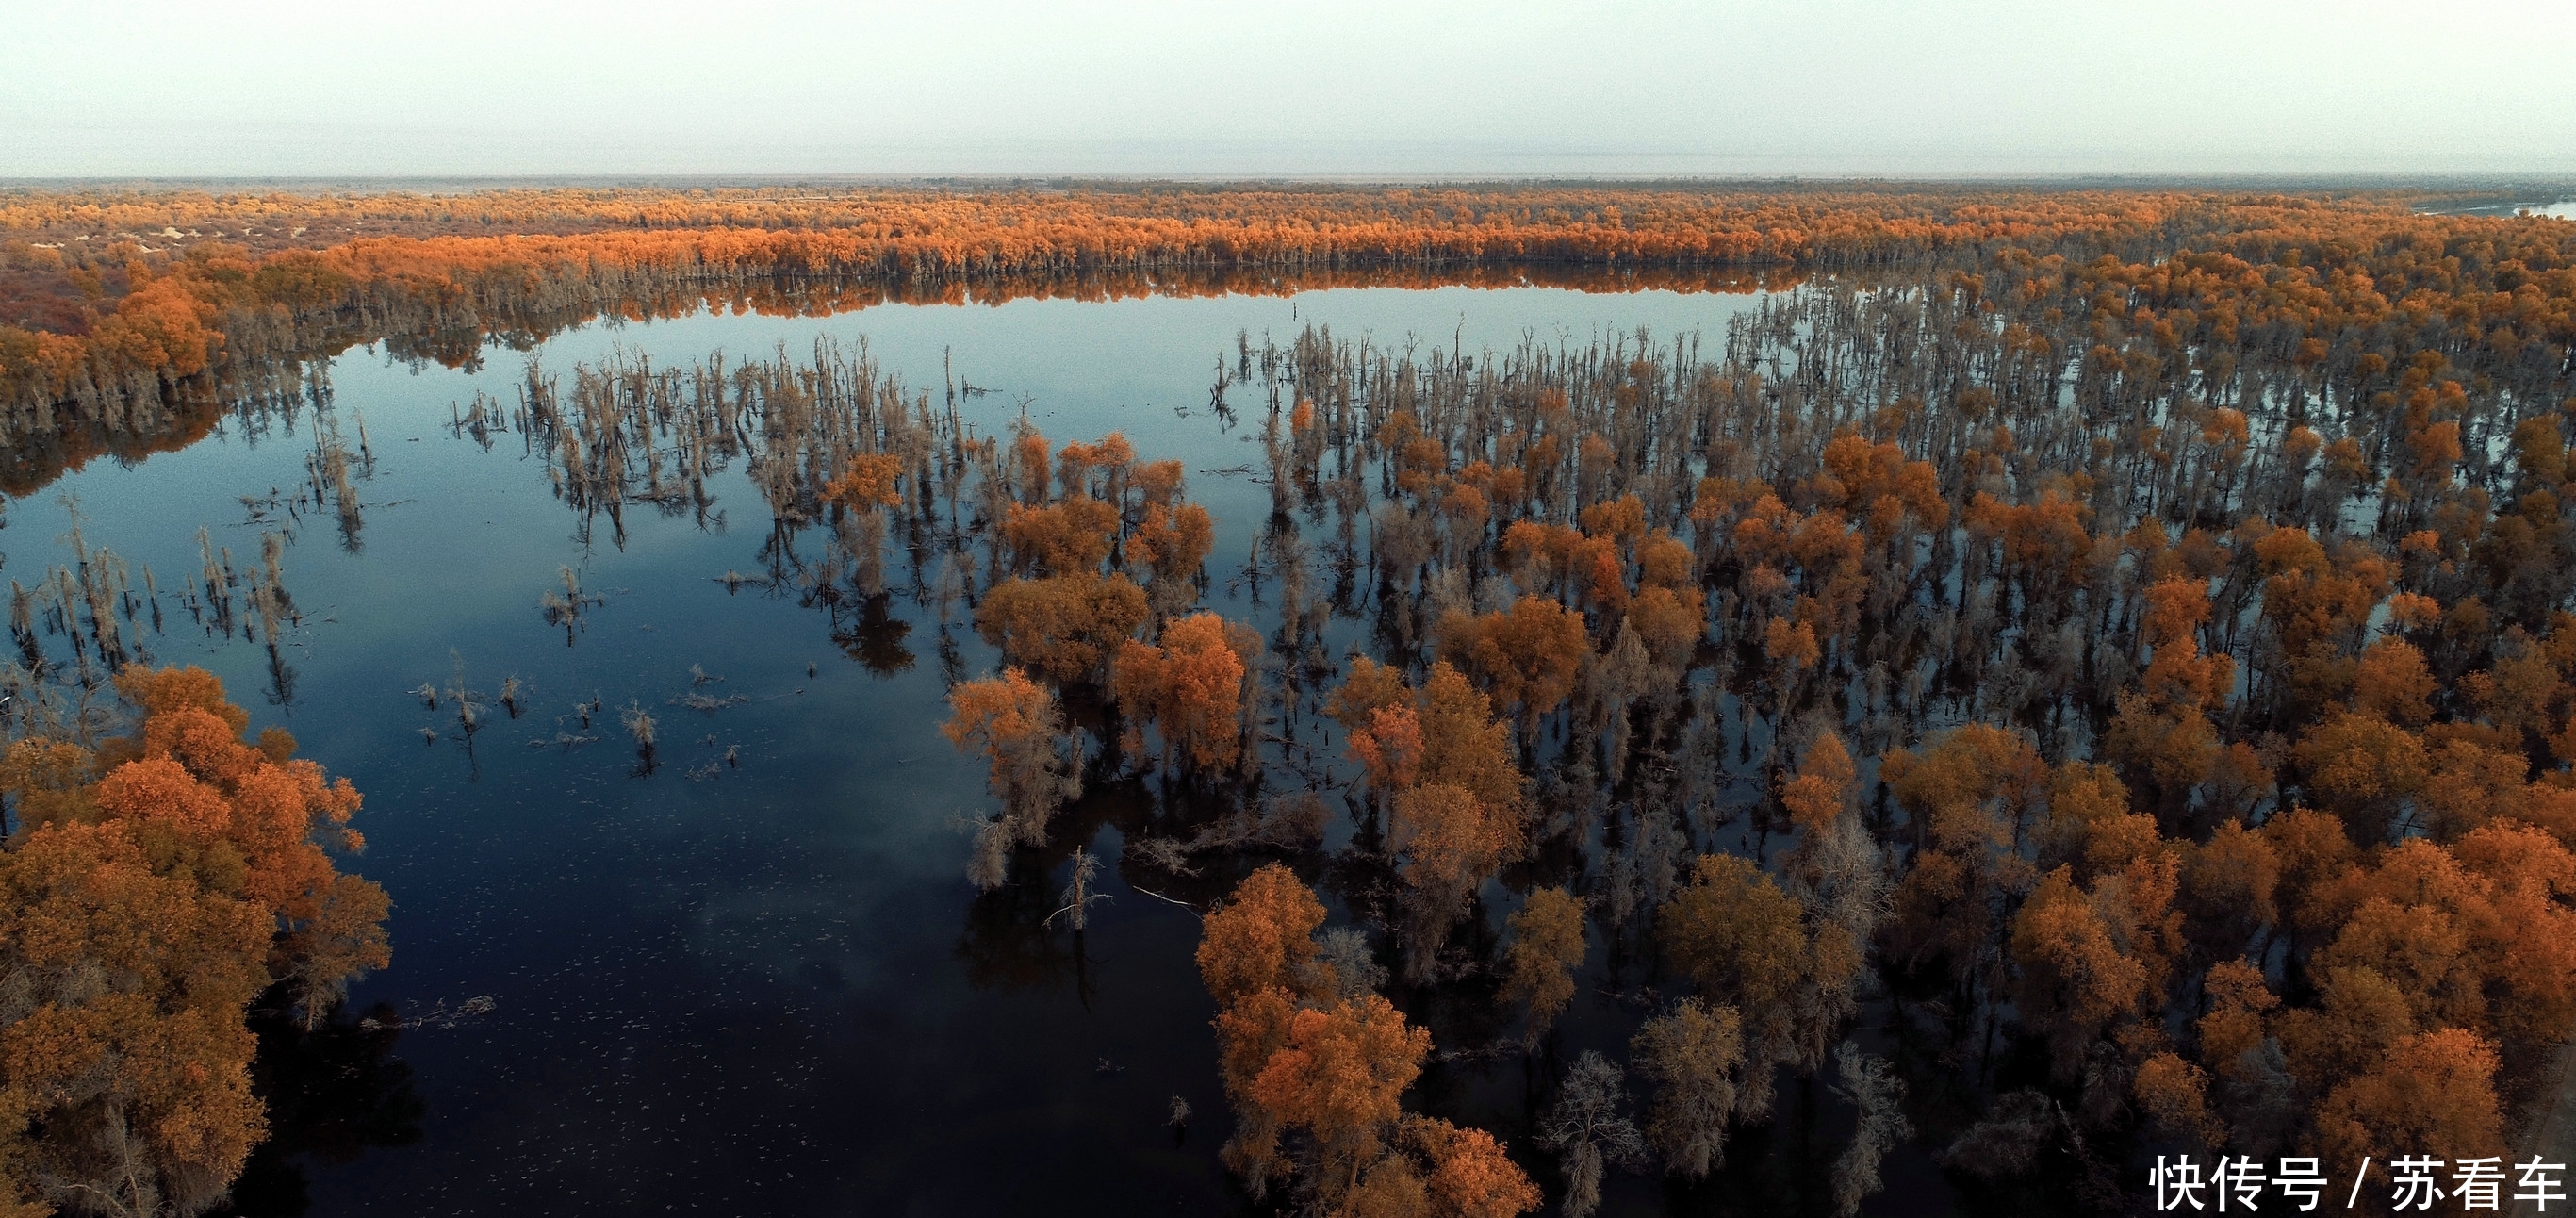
x,y
1317,1073
1453,791
1191,689
156,884
1015,724
2119,640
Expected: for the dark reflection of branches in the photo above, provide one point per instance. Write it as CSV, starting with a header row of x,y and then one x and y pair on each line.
x,y
1084,984
952,662
1004,942
281,681
778,555
329,468
875,638
333,1094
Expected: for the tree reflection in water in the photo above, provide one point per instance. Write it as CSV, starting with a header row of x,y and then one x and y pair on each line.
x,y
333,1094
874,638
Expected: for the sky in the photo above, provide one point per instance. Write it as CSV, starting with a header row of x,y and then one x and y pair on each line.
x,y
1818,88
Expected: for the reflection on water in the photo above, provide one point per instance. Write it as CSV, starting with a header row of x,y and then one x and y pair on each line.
x,y
748,977
334,1095
873,636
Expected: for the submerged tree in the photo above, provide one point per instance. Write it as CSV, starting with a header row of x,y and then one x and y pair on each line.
x,y
1014,722
1065,628
1547,946
1455,794
1750,946
1316,1073
1694,1054
1190,689
1589,1132
1872,1086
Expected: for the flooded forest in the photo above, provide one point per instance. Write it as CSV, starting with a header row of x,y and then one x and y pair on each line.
x,y
1342,702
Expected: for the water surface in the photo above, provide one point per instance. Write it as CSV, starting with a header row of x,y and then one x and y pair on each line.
x,y
763,987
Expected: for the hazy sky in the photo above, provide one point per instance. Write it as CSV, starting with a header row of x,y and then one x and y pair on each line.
x,y
1817,88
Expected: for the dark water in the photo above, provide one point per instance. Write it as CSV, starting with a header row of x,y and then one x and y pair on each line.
x,y
762,989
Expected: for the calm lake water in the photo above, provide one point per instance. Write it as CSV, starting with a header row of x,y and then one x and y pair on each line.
x,y
768,991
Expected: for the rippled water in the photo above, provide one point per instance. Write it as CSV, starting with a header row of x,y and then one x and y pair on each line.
x,y
769,990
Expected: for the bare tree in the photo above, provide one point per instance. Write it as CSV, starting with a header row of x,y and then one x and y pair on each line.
x,y
1870,1083
1588,1131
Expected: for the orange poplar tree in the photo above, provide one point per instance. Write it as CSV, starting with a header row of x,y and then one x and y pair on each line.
x,y
1190,690
1317,1078
155,886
